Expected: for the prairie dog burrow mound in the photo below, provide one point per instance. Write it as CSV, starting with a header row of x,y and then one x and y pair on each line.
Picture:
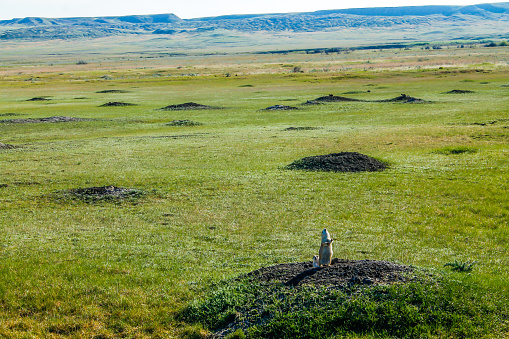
x,y
339,162
402,98
334,98
39,99
280,108
187,106
341,272
101,193
43,120
459,91
117,104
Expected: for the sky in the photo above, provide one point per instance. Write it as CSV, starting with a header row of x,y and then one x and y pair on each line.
x,y
186,9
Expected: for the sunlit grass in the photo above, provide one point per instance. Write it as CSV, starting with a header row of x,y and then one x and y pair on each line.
x,y
219,201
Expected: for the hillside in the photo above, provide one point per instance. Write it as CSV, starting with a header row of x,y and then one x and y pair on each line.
x,y
320,21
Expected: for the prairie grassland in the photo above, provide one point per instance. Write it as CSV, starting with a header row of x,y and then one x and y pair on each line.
x,y
218,200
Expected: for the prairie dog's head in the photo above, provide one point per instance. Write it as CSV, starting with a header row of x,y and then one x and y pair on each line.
x,y
326,236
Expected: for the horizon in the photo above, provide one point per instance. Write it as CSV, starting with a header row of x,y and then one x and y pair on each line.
x,y
196,9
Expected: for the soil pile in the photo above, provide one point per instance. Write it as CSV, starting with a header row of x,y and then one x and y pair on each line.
x,y
186,106
50,119
459,91
280,108
6,146
9,114
102,193
39,99
334,98
113,91
312,102
300,128
402,98
339,162
341,272
116,104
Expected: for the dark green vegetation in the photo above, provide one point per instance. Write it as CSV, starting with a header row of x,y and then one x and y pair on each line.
x,y
427,307
461,266
190,206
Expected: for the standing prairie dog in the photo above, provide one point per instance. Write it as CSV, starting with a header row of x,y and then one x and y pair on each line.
x,y
325,253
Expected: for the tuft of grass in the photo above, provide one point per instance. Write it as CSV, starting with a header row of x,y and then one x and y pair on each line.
x,y
428,306
183,123
461,266
455,150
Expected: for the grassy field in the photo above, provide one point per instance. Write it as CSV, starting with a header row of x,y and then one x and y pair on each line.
x,y
218,201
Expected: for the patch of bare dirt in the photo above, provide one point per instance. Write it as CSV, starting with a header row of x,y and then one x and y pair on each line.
x,y
339,162
183,123
280,108
102,193
117,104
187,106
341,272
43,120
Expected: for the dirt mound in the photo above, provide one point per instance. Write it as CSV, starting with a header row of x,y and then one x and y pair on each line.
x,y
186,106
113,91
306,128
183,123
341,272
334,98
116,104
39,99
312,102
357,92
38,120
459,91
102,193
9,114
6,146
280,108
339,162
402,98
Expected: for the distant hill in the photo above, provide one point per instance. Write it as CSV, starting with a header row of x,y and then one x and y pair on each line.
x,y
34,28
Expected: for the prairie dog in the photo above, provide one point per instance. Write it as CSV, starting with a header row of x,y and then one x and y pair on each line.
x,y
325,253
316,261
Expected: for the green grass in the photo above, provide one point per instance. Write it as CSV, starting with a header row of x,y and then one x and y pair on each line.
x,y
220,202
430,306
